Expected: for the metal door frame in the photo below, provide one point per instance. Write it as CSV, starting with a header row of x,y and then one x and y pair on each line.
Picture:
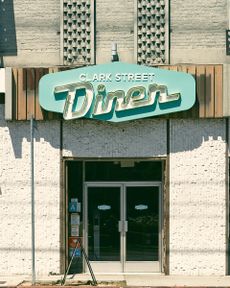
x,y
128,264
123,214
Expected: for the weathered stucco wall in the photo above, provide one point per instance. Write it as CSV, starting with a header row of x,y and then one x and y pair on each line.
x,y
198,197
198,31
197,187
115,24
31,30
143,138
15,198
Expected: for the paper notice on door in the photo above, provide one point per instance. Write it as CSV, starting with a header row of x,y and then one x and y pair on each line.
x,y
75,219
77,252
74,230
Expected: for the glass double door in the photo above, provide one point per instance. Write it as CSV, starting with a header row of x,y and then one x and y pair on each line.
x,y
123,226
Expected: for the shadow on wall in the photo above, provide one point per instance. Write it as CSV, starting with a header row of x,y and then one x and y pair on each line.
x,y
21,131
50,131
8,42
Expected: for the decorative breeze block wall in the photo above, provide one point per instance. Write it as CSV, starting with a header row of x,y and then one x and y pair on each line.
x,y
78,27
152,32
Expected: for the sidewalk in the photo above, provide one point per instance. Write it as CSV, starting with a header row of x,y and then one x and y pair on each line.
x,y
116,280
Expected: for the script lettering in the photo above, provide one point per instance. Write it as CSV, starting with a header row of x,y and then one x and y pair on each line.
x,y
107,102
136,97
72,90
104,102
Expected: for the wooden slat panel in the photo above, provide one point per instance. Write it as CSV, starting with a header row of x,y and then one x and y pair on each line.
x,y
166,67
219,91
182,68
200,88
187,113
47,114
173,68
38,109
192,70
53,69
210,101
21,94
52,115
39,112
30,81
195,109
14,92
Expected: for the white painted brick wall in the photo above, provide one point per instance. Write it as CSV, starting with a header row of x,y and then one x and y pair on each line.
x,y
142,138
197,197
15,198
198,31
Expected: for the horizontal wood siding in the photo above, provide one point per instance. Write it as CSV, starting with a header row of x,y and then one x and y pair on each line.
x,y
209,92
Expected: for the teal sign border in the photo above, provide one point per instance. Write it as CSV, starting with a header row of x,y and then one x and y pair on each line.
x,y
178,88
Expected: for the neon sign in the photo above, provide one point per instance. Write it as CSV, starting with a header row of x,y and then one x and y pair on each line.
x,y
114,92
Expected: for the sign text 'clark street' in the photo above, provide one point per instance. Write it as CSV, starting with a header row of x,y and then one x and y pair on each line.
x,y
116,92
118,77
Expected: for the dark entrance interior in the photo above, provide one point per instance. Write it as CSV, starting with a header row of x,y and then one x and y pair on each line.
x,y
80,171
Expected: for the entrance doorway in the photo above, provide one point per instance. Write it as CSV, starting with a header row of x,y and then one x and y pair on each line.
x,y
123,226
115,207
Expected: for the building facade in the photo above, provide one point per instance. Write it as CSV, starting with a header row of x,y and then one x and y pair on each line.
x,y
148,195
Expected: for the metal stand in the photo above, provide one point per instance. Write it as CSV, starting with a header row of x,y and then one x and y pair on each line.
x,y
87,262
32,200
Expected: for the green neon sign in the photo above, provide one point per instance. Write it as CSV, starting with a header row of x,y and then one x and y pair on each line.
x,y
116,92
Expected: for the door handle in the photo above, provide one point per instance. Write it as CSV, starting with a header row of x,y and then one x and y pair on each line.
x,y
125,226
120,226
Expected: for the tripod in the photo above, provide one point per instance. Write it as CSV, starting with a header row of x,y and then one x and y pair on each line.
x,y
79,245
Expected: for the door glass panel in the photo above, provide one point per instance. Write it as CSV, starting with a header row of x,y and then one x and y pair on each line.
x,y
103,218
142,213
